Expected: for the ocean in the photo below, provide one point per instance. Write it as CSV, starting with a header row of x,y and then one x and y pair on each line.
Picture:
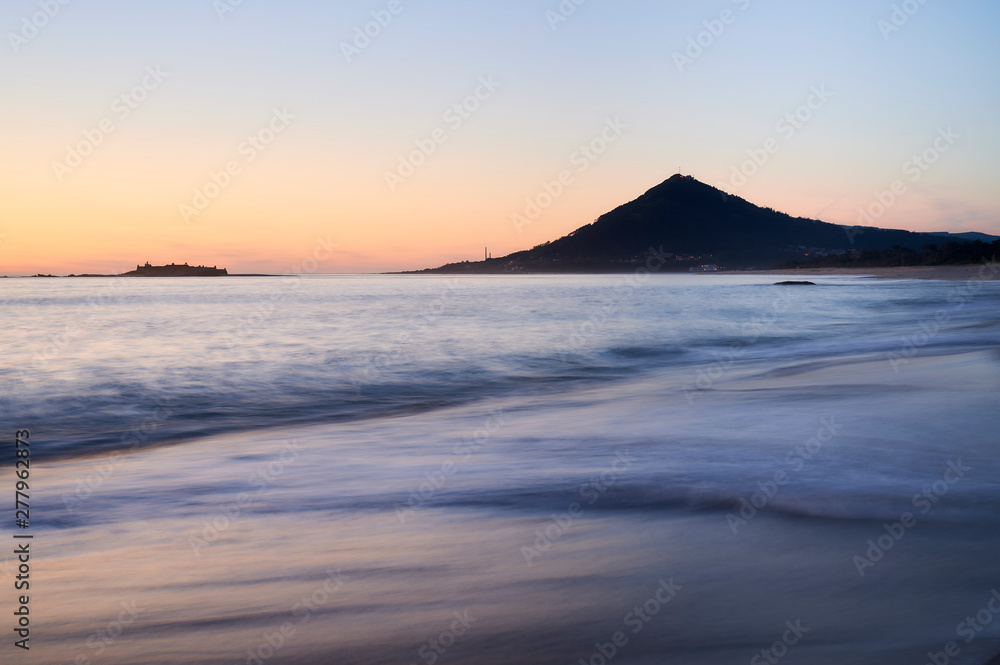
x,y
689,469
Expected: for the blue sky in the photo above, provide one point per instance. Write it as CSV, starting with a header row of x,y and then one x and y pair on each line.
x,y
890,96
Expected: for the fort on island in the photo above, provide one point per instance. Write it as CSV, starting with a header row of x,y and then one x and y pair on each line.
x,y
175,270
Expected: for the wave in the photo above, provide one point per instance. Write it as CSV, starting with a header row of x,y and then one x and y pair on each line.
x,y
731,499
126,392
110,412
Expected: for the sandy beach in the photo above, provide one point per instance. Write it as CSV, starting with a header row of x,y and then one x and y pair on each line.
x,y
947,273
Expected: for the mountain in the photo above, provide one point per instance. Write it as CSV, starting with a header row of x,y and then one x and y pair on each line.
x,y
697,224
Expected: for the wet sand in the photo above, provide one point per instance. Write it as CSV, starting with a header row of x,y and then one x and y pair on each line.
x,y
310,569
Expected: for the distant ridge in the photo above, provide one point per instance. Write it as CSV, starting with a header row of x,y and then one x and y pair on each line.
x,y
970,236
695,224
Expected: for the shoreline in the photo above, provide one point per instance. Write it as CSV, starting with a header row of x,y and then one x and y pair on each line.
x,y
984,272
950,273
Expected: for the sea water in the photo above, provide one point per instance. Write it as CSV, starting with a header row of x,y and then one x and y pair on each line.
x,y
508,469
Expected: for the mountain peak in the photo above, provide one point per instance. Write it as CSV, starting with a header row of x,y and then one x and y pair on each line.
x,y
678,178
687,217
682,183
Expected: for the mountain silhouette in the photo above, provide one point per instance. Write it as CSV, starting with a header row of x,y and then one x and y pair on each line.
x,y
697,224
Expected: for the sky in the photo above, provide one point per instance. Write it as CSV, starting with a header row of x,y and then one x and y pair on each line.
x,y
363,136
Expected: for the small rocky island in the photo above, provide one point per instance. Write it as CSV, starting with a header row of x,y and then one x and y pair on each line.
x,y
176,270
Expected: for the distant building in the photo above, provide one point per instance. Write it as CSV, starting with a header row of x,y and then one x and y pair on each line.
x,y
176,270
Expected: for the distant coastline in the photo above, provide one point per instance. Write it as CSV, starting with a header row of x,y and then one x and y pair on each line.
x,y
148,270
951,273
